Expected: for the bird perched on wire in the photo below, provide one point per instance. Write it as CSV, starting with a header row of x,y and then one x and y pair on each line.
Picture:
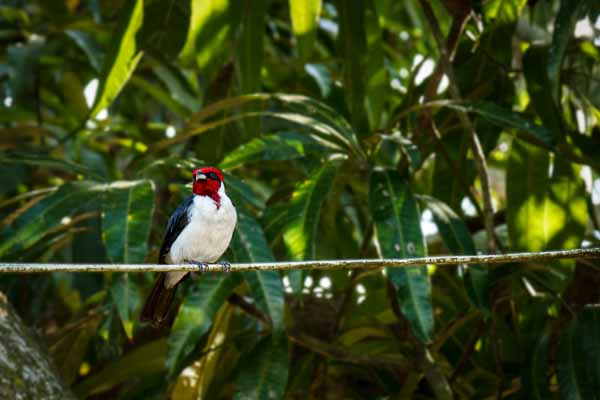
x,y
199,232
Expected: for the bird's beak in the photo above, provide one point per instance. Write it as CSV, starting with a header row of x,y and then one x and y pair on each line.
x,y
201,177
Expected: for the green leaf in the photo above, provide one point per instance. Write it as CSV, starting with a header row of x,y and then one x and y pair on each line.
x,y
196,315
251,44
526,183
503,11
249,245
33,224
542,212
534,62
577,365
305,17
281,147
564,26
535,381
303,111
458,240
378,81
127,210
210,25
165,27
144,362
300,232
87,42
126,296
122,58
398,232
570,366
161,96
525,128
70,349
47,161
302,219
352,45
264,372
194,381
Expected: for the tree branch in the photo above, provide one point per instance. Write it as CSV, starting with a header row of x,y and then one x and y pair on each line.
x,y
588,253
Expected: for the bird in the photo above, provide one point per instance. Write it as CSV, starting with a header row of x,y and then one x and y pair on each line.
x,y
198,232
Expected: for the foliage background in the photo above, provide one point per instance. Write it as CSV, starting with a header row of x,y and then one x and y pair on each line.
x,y
339,138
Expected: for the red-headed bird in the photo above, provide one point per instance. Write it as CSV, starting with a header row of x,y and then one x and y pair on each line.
x,y
198,232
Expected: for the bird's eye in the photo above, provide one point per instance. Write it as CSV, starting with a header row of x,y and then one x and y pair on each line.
x,y
212,175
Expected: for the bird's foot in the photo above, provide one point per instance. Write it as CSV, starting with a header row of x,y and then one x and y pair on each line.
x,y
226,266
202,267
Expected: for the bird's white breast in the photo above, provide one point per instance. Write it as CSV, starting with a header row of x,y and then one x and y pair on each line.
x,y
208,232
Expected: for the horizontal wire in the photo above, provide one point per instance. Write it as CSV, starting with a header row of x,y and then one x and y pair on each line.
x,y
587,253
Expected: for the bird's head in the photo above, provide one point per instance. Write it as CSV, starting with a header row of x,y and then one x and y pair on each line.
x,y
207,181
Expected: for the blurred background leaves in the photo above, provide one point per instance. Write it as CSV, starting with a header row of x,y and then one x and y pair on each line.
x,y
332,122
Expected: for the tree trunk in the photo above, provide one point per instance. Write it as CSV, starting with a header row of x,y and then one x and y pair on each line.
x,y
26,371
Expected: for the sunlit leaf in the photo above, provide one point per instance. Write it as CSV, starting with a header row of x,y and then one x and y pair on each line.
x,y
304,15
304,212
543,212
526,182
194,381
280,147
398,231
196,315
123,57
303,215
210,23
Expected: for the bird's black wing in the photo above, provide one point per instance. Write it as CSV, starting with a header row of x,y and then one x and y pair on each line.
x,y
177,222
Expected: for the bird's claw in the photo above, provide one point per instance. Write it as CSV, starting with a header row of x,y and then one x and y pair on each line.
x,y
226,266
202,267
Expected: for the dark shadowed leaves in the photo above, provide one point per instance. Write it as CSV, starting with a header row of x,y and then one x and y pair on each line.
x,y
264,371
249,245
458,240
398,231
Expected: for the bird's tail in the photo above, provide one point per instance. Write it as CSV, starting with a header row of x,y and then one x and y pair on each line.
x,y
158,302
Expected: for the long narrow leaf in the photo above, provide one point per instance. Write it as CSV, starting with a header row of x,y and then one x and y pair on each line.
x,y
264,372
127,209
525,128
302,219
564,26
458,240
398,231
280,147
123,57
249,245
305,15
196,316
